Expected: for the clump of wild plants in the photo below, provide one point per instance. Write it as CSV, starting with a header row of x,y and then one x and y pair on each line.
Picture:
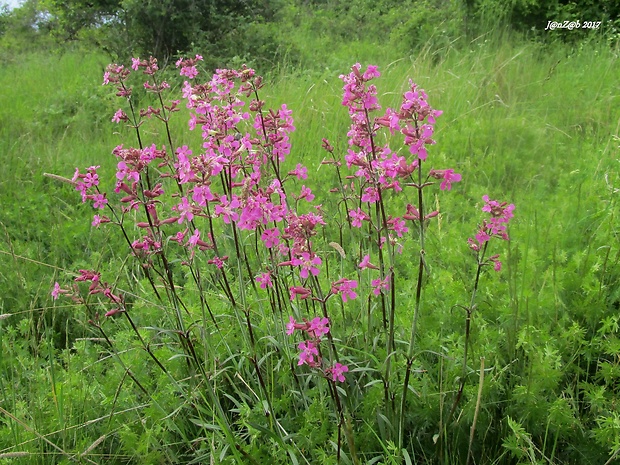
x,y
274,303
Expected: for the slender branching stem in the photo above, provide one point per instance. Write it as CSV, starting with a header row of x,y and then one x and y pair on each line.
x,y
469,314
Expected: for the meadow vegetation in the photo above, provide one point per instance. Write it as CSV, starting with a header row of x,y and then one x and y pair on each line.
x,y
136,341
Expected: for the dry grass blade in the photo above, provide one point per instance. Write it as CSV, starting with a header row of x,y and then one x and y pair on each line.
x,y
339,249
93,445
60,178
14,455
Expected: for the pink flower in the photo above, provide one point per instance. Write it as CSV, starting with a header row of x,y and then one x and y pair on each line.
x,y
497,209
183,152
447,176
412,213
417,142
300,171
119,116
306,193
186,211
283,250
358,95
190,71
300,291
113,312
390,120
99,220
99,200
265,280
188,66
184,166
369,99
193,240
472,245
56,291
117,299
371,72
357,216
365,263
345,287
271,237
307,354
398,226
252,214
337,372
201,195
291,326
226,209
88,275
179,237
380,285
318,326
501,214
482,236
370,195
308,264
124,170
218,261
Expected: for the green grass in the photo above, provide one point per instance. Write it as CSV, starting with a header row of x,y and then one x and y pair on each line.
x,y
535,125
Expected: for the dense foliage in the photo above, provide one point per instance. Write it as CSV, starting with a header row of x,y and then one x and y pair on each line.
x,y
266,33
155,27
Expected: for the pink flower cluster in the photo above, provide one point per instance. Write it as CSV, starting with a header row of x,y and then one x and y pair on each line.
x,y
243,144
310,348
378,168
86,184
95,287
234,176
418,119
447,178
494,226
252,195
343,287
117,74
149,66
297,232
188,66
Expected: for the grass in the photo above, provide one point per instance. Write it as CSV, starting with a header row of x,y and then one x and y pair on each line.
x,y
536,125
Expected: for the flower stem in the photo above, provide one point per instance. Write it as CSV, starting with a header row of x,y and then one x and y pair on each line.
x,y
416,312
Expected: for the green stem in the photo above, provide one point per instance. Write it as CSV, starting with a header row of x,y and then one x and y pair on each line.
x,y
416,312
468,319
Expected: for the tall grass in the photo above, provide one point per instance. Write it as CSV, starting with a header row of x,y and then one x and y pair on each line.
x,y
533,124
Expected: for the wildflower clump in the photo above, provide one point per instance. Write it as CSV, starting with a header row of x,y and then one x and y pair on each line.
x,y
226,232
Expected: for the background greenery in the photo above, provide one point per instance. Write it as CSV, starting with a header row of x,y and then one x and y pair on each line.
x,y
530,116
